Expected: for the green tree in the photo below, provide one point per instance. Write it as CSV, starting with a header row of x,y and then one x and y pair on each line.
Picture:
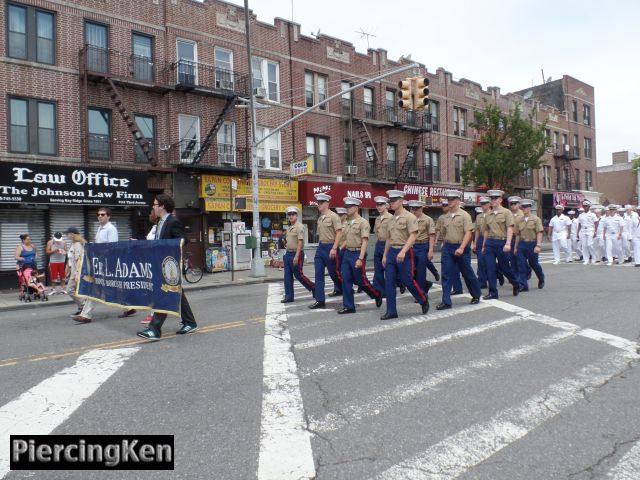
x,y
635,165
509,145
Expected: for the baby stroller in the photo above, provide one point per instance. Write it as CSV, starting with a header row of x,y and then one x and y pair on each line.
x,y
29,282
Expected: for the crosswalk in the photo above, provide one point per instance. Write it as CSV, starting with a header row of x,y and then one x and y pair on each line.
x,y
365,379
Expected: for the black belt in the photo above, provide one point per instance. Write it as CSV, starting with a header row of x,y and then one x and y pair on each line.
x,y
291,251
421,242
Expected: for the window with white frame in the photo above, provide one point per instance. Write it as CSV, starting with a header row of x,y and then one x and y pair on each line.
x,y
369,107
318,149
460,121
315,89
266,75
227,143
224,68
432,165
458,163
268,152
346,100
392,160
588,179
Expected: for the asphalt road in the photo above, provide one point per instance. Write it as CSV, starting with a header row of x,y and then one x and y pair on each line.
x,y
545,385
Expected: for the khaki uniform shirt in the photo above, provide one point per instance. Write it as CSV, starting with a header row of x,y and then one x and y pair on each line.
x,y
294,233
439,223
426,227
381,227
455,225
357,229
528,227
496,223
328,225
400,227
479,225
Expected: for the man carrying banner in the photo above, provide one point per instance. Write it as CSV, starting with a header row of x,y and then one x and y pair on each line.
x,y
106,233
169,227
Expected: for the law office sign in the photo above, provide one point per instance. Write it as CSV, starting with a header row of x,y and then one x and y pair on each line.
x,y
65,185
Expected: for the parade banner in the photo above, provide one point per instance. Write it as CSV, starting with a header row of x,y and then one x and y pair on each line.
x,y
134,274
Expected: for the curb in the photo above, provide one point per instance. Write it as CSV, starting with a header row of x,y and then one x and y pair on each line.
x,y
195,287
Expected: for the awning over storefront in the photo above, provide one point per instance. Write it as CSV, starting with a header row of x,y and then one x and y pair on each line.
x,y
433,194
275,195
31,183
363,191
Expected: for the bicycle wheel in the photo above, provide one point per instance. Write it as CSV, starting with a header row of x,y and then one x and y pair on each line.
x,y
193,274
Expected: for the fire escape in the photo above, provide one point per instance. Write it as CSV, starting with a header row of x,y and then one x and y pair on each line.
x,y
565,155
418,124
119,72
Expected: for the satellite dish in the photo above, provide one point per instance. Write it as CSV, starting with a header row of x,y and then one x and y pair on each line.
x,y
527,95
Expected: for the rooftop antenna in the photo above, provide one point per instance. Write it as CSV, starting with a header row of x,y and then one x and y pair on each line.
x,y
542,71
317,34
365,34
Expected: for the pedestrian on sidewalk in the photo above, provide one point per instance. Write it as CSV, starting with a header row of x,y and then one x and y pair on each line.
x,y
75,261
56,249
294,258
169,227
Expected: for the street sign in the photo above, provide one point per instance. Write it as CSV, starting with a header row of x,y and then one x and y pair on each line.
x,y
234,184
303,167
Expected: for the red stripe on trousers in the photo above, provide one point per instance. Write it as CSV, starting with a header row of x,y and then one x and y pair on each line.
x,y
302,275
415,284
367,285
337,260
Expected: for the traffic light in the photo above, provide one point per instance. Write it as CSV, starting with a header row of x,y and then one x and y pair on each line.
x,y
405,94
421,93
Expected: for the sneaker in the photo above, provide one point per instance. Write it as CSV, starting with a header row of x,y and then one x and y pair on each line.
x,y
63,292
555,263
187,329
52,292
149,335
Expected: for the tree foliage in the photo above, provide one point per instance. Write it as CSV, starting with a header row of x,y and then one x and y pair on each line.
x,y
635,165
509,145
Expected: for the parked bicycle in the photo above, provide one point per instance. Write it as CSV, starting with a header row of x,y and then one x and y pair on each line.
x,y
190,272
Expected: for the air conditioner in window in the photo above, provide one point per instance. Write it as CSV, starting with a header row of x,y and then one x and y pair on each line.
x,y
412,174
228,159
351,169
224,84
260,92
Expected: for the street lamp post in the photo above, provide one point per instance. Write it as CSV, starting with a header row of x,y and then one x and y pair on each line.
x,y
257,264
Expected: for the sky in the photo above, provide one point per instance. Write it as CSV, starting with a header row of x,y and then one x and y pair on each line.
x,y
500,43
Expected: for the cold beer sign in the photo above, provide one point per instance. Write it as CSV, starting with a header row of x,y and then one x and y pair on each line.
x,y
303,167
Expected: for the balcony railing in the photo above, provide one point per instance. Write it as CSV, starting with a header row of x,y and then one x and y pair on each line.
x,y
422,174
566,151
145,71
393,115
218,155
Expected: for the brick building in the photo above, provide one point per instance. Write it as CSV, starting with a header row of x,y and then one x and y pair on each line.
x,y
617,183
154,92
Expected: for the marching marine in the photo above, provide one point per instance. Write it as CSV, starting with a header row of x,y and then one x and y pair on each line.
x,y
423,248
294,258
529,231
481,212
381,230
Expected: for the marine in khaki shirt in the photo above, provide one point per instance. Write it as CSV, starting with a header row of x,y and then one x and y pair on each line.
x,y
295,233
401,227
357,229
498,223
527,228
455,225
381,227
329,225
426,227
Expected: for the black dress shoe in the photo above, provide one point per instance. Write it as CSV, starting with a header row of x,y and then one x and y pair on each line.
x,y
425,307
317,305
501,280
429,285
386,316
516,290
529,275
483,287
489,297
436,276
403,289
457,293
443,306
474,301
540,283
335,294
379,302
286,301
347,310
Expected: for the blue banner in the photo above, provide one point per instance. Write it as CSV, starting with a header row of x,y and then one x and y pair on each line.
x,y
138,274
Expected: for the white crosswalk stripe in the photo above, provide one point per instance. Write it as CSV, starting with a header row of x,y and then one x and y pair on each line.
x,y
41,409
628,468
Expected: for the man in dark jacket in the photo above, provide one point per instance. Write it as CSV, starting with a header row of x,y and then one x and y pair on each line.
x,y
169,227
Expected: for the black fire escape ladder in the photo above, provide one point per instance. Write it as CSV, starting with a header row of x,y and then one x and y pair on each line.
x,y
409,168
131,122
208,140
570,180
369,147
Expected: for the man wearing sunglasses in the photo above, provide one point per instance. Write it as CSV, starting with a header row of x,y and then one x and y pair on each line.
x,y
106,233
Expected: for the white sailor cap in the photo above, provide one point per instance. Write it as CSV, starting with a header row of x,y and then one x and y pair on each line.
x,y
322,197
415,204
292,210
571,212
559,207
381,199
514,199
341,210
352,202
586,203
628,206
621,210
450,194
612,206
445,202
393,194
525,202
479,210
484,200
495,193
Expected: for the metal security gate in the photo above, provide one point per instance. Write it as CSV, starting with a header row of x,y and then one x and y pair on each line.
x,y
15,222
61,218
121,219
